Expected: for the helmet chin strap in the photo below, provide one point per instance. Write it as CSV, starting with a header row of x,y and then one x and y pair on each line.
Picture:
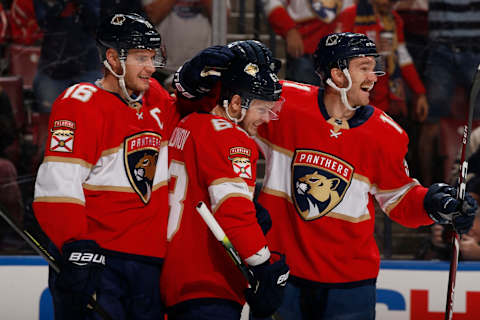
x,y
235,120
343,91
121,81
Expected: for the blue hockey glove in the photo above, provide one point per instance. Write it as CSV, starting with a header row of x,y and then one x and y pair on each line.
x,y
263,217
200,74
271,279
443,207
80,272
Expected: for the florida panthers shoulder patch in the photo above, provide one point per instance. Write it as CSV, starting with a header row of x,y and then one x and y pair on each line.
x,y
240,157
63,135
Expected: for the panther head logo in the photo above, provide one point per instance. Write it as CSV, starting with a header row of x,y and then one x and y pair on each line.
x,y
141,153
145,172
321,189
145,168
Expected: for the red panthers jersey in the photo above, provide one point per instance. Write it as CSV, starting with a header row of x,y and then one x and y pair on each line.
x,y
214,161
322,177
105,170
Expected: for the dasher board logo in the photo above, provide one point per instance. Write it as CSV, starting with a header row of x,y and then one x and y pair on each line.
x,y
141,156
240,157
63,136
319,182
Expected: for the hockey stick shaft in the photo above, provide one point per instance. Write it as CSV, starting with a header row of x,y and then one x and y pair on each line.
x,y
220,235
462,187
35,245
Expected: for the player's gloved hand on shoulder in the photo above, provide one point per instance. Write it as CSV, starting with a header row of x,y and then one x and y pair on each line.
x,y
198,76
271,279
263,217
443,207
80,273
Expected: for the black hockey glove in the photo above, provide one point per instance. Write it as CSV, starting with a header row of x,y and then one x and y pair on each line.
x,y
263,217
200,74
80,272
443,207
271,279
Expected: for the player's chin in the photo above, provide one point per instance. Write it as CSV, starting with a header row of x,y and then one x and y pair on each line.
x,y
252,130
143,85
364,97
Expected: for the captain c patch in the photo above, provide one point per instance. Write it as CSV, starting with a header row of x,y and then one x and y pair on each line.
x,y
240,157
63,136
319,182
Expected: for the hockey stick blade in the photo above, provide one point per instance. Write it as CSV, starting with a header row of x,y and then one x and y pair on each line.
x,y
220,235
462,186
38,248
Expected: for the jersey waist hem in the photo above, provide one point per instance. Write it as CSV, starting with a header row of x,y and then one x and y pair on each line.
x,y
345,285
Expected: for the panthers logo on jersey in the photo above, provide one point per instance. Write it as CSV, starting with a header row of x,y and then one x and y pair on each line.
x,y
141,156
319,182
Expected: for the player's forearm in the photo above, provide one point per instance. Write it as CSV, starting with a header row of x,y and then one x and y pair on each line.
x,y
237,217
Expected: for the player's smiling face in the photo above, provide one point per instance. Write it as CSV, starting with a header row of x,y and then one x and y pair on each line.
x,y
139,68
258,113
362,72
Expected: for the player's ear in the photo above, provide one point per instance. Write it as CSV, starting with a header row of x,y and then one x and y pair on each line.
x,y
112,58
337,76
235,108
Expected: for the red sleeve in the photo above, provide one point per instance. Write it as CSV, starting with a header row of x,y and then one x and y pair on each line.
x,y
410,211
281,21
399,195
399,26
230,173
409,73
70,153
24,27
346,20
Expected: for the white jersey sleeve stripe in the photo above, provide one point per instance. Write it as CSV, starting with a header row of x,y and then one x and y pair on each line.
x,y
161,174
404,57
276,160
57,179
222,189
81,162
389,199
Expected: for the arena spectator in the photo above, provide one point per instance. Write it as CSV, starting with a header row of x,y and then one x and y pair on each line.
x,y
185,26
23,24
454,54
384,26
302,26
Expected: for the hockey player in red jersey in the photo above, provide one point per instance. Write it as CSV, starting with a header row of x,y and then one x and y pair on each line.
x,y
213,159
327,158
101,192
